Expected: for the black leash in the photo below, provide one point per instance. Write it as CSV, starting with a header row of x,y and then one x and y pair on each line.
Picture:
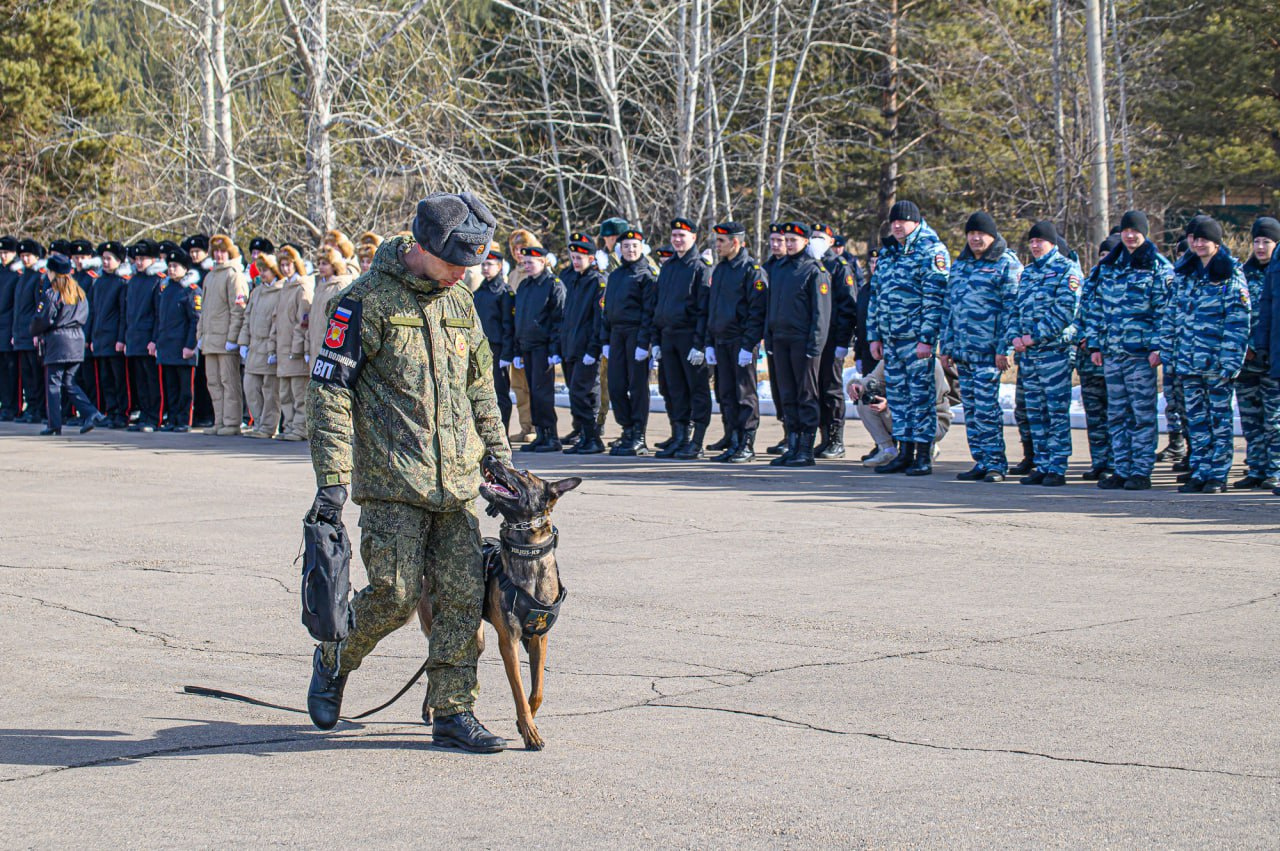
x,y
219,694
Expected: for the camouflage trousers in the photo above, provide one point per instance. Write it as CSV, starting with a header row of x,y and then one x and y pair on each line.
x,y
1209,425
1047,373
1175,406
406,549
1131,414
1258,398
911,391
983,416
1093,398
1020,409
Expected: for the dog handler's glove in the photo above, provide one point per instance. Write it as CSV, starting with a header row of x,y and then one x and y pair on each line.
x,y
328,503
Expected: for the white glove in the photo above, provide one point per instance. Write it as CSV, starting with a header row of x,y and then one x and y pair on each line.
x,y
587,360
711,356
744,357
518,362
503,364
271,358
642,354
841,353
554,360
230,346
604,351
657,352
306,359
200,344
696,357
244,352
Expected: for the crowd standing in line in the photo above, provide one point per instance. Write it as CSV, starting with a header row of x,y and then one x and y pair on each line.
x,y
172,336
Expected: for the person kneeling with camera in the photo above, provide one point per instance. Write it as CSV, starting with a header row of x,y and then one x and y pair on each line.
x,y
868,393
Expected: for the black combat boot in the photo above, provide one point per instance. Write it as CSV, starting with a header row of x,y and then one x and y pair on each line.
x,y
746,450
734,441
906,455
691,449
532,446
725,443
976,473
782,445
679,434
923,463
670,441
793,442
834,444
638,446
1175,450
622,444
324,697
803,456
1027,464
590,443
551,443
825,442
464,732
575,435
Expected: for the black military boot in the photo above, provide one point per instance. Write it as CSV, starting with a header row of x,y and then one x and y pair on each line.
x,y
551,443
637,443
532,446
1175,450
725,443
734,441
923,464
679,434
324,697
590,443
826,441
464,732
575,435
793,442
906,455
1027,464
746,450
691,449
803,456
623,443
976,473
835,443
670,441
782,445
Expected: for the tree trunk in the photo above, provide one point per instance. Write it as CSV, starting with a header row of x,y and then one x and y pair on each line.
x,y
225,206
208,120
319,104
1059,114
887,194
540,58
780,158
1122,119
766,126
605,65
1099,196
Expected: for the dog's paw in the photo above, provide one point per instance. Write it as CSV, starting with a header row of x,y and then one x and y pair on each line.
x,y
529,732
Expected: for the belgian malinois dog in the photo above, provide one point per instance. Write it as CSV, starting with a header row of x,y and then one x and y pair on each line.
x,y
522,589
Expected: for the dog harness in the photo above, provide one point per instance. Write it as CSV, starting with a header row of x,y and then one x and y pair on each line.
x,y
535,617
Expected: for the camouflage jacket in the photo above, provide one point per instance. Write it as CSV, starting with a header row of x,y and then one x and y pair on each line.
x,y
1205,327
907,289
1255,276
401,401
980,296
1048,302
1122,304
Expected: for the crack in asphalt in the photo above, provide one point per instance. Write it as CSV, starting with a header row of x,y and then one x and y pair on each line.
x,y
124,567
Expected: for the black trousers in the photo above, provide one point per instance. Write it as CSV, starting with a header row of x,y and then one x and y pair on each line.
x,y
9,406
830,387
144,382
628,379
502,389
584,389
31,372
542,387
200,394
87,380
736,388
62,382
113,386
775,392
798,382
178,390
688,386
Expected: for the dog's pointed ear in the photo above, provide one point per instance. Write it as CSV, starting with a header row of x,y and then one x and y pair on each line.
x,y
562,487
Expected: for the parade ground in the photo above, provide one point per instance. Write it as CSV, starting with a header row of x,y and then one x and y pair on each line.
x,y
748,657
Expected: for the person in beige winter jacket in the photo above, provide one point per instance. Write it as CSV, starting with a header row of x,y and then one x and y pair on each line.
x,y
226,293
258,349
332,277
293,311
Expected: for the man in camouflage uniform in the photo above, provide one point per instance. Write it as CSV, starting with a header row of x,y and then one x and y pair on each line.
x,y
1120,320
1204,334
402,407
904,320
1042,330
980,293
1257,393
1093,383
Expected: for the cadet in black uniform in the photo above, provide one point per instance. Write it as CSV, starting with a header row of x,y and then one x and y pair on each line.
x,y
197,248
174,344
61,314
538,313
796,331
495,303
844,320
10,271
26,295
777,250
580,345
735,324
627,325
107,334
680,316
140,331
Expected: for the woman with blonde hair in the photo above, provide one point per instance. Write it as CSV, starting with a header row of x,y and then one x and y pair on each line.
x,y
61,314
293,314
516,243
258,349
331,279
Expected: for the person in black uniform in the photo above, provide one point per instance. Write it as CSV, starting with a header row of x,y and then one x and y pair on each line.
x,y
197,248
107,334
140,330
26,295
777,250
796,330
844,320
627,324
174,344
10,271
494,303
735,324
580,345
537,315
86,272
60,317
680,317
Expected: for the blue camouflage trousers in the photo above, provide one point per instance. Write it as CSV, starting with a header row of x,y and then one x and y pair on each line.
x,y
1258,398
1047,377
1209,425
1093,398
911,393
983,416
1131,414
1175,406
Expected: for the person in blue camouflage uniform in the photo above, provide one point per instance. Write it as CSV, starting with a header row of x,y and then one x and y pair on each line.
x,y
1175,450
980,292
904,321
1266,331
1257,392
1042,331
1204,334
1093,382
1120,318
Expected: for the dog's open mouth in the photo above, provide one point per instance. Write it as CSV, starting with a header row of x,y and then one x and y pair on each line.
x,y
493,486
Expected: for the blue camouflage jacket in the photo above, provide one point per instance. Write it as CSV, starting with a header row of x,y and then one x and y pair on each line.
x,y
908,289
1205,327
980,296
1047,302
1122,305
1255,276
